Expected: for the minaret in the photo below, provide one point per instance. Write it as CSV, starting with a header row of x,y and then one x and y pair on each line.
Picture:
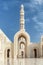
x,y
22,21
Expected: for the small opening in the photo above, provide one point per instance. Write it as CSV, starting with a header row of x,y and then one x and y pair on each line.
x,y
8,53
22,53
35,53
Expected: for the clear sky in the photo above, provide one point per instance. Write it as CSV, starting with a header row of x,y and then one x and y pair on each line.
x,y
10,17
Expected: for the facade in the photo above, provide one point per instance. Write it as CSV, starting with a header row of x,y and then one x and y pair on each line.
x,y
21,47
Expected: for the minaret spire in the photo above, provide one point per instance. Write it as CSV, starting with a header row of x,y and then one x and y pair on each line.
x,y
22,21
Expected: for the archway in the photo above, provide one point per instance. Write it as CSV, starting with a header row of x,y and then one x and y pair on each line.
x,y
35,53
8,53
21,47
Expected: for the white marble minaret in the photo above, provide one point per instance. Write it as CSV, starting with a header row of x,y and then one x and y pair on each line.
x,y
22,21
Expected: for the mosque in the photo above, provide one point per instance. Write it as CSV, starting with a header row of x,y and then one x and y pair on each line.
x,y
21,47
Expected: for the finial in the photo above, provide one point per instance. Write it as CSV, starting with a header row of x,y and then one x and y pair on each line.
x,y
22,9
22,6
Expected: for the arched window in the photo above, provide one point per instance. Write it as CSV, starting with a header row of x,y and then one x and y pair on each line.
x,y
35,53
22,39
22,45
8,53
22,53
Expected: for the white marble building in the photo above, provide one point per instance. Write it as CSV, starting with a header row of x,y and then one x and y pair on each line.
x,y
21,47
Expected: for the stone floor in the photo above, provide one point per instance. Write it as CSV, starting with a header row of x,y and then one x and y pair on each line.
x,y
21,62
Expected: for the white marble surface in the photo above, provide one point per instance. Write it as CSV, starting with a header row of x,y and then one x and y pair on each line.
x,y
21,62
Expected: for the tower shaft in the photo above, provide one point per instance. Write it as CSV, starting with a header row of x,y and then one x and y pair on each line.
x,y
22,21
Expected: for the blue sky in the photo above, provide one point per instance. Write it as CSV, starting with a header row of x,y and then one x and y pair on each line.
x,y
10,17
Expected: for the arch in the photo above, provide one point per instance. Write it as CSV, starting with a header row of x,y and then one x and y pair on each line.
x,y
8,53
22,36
16,43
22,46
35,53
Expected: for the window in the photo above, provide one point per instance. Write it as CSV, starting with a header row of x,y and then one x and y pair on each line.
x,y
22,39
35,53
22,46
22,53
8,53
